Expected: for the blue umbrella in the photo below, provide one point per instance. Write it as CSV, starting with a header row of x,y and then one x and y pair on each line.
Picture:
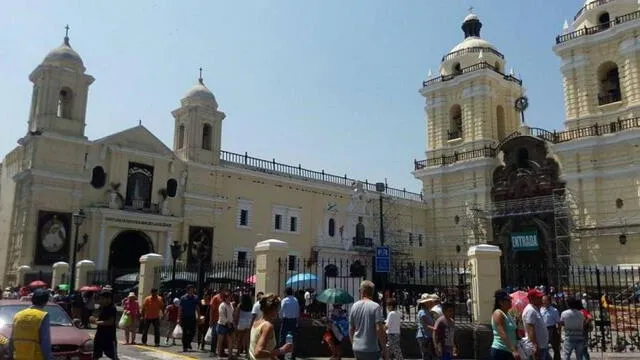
x,y
301,278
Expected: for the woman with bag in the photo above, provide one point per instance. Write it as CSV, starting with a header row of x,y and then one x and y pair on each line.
x,y
225,326
130,315
505,341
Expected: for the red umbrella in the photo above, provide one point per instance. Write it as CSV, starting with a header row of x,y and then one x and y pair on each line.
x,y
93,288
519,300
37,284
251,280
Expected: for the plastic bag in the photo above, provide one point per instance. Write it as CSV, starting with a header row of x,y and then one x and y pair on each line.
x,y
209,335
525,348
125,321
177,332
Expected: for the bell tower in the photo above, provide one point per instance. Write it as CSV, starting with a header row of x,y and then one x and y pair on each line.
x,y
198,126
60,92
600,63
470,104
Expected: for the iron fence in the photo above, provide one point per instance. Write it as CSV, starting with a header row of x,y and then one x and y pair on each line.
x,y
610,293
229,274
44,276
406,281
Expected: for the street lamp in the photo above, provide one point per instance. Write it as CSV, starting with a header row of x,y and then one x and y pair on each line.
x,y
176,250
78,219
382,277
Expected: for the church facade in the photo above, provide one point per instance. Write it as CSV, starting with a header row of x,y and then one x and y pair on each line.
x,y
561,197
139,196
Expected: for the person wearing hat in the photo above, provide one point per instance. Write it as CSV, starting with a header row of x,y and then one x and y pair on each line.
x,y
436,308
131,308
534,325
31,330
424,333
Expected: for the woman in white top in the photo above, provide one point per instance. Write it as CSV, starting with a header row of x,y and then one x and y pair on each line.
x,y
225,325
242,317
393,330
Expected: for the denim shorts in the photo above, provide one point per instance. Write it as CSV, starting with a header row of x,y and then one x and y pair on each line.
x,y
223,330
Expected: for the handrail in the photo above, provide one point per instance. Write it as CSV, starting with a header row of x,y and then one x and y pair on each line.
x,y
471,50
476,67
298,172
597,28
590,6
554,137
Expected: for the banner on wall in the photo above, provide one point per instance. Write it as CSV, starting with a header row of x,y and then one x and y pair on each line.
x,y
525,241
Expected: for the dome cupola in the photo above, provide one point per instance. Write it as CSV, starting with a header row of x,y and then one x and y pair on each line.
x,y
199,94
471,26
64,55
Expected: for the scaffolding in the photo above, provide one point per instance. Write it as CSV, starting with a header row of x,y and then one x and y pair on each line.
x,y
562,204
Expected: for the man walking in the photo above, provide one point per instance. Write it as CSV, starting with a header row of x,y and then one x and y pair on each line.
x,y
289,313
534,325
551,318
188,313
31,330
152,310
366,326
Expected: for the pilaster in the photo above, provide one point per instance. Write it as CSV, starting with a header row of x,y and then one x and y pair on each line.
x,y
269,273
484,261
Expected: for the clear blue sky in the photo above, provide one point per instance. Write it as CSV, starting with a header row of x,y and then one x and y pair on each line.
x,y
329,84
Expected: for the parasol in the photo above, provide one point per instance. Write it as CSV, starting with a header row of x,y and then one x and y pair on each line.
x,y
335,296
37,284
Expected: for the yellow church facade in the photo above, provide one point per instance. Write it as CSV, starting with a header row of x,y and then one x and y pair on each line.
x,y
139,196
559,197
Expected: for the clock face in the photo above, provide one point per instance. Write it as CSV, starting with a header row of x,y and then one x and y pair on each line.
x,y
53,236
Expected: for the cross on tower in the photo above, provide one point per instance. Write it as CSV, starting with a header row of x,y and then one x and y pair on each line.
x,y
66,28
470,9
200,73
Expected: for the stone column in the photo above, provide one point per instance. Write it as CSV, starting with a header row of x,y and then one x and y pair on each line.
x,y
148,274
269,274
82,273
168,240
22,271
102,249
60,269
485,280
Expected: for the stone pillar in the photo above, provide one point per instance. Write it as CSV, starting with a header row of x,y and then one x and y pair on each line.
x,y
148,265
102,248
484,261
22,271
82,273
269,274
60,269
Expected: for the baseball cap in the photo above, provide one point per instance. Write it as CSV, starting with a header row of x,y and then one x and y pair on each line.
x,y
535,293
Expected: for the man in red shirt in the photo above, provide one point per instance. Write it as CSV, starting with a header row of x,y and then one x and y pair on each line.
x,y
214,313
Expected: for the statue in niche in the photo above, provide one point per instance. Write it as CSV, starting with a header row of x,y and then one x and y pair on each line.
x,y
359,230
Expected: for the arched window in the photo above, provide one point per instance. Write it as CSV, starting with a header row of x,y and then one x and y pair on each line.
x,y
455,122
332,227
65,98
608,84
457,70
500,126
180,136
206,137
523,158
604,21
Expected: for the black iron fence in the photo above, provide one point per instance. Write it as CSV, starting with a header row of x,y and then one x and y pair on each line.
x,y
44,276
406,281
611,294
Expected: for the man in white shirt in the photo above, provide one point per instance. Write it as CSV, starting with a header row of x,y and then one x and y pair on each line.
x,y
534,325
256,312
551,317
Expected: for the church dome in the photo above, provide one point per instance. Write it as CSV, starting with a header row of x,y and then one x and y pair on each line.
x,y
199,94
64,55
472,42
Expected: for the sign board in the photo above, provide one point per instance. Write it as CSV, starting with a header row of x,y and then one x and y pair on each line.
x,y
525,241
383,259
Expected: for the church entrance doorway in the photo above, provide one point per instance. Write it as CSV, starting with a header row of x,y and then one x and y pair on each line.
x,y
125,252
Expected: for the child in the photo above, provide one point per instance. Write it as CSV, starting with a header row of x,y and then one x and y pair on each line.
x,y
445,328
392,324
171,314
104,341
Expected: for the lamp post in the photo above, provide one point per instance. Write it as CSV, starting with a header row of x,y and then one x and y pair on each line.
x,y
78,219
382,277
176,250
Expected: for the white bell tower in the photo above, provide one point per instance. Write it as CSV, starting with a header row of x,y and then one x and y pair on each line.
x,y
60,91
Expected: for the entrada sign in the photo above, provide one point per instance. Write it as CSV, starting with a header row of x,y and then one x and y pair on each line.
x,y
525,241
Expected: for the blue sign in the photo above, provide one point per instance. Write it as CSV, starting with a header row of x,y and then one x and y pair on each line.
x,y
383,259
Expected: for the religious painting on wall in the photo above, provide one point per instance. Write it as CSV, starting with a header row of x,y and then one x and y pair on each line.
x,y
53,237
200,245
139,185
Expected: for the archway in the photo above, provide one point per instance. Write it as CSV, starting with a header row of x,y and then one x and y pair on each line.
x,y
125,252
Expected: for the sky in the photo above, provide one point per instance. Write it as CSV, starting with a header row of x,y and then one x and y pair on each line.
x,y
331,85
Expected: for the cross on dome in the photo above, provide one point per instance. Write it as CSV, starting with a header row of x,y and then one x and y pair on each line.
x,y
66,34
200,77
